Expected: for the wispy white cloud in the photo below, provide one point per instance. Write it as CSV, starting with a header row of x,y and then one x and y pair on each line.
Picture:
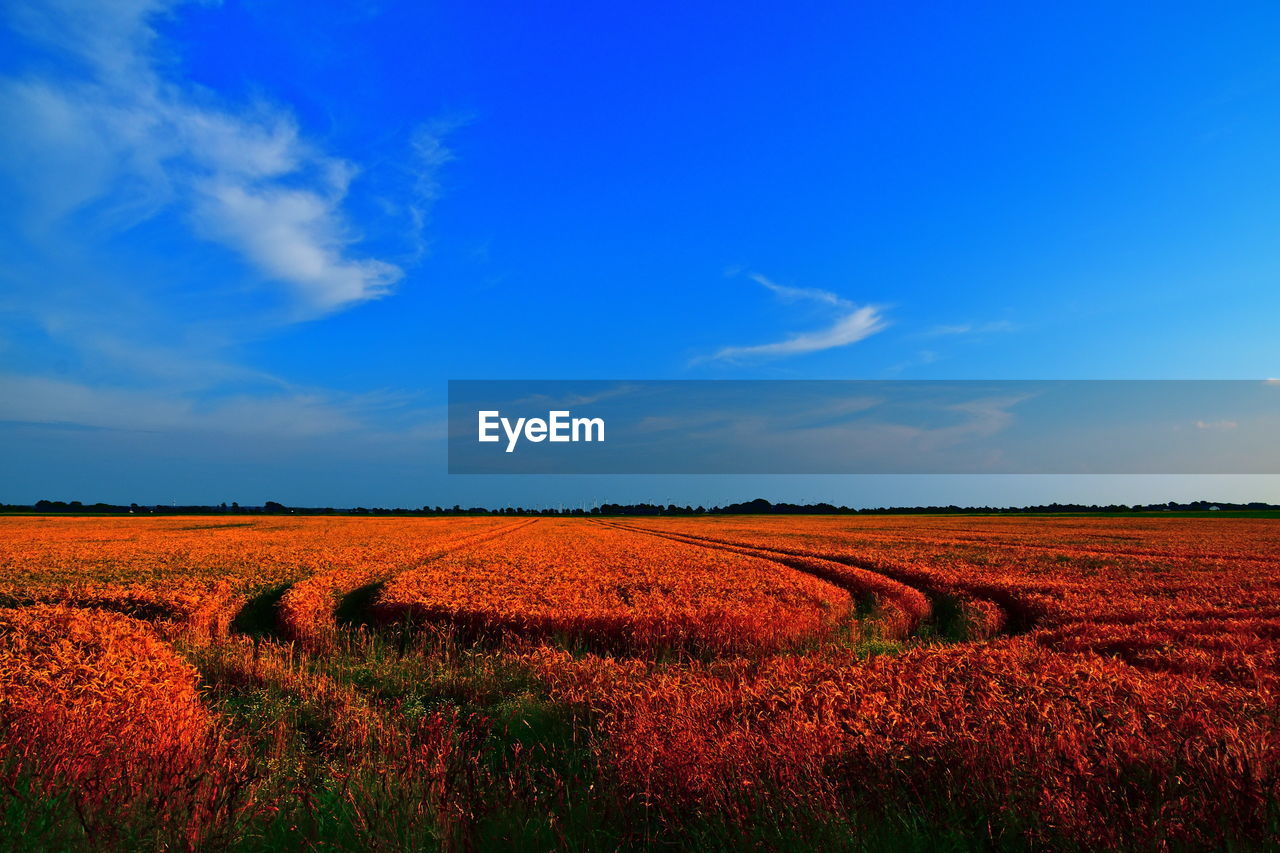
x,y
1216,425
101,134
286,412
112,131
799,294
852,324
971,329
429,156
293,236
849,329
43,400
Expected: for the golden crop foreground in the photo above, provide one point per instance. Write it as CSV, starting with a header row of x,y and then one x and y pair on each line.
x,y
1032,683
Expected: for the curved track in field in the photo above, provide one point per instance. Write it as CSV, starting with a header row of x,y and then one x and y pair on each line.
x,y
310,610
619,592
1228,645
906,600
901,608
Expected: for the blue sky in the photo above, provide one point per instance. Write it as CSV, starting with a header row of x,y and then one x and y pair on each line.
x,y
245,245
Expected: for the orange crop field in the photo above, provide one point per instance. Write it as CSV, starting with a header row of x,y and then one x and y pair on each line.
x,y
614,588
867,682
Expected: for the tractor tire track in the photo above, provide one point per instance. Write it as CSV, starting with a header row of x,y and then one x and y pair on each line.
x,y
901,609
310,611
978,615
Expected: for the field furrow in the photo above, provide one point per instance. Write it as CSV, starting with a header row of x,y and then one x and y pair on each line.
x,y
307,610
899,609
905,599
616,589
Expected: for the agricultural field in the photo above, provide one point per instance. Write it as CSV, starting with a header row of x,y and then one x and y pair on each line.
x,y
724,683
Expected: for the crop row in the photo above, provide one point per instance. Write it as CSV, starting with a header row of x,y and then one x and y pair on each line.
x,y
617,589
195,574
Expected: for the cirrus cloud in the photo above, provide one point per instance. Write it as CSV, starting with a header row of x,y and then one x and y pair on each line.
x,y
110,128
853,324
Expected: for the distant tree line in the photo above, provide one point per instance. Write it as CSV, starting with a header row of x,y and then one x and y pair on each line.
x,y
759,506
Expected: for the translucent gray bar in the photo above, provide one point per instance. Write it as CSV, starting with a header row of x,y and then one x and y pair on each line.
x,y
864,427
